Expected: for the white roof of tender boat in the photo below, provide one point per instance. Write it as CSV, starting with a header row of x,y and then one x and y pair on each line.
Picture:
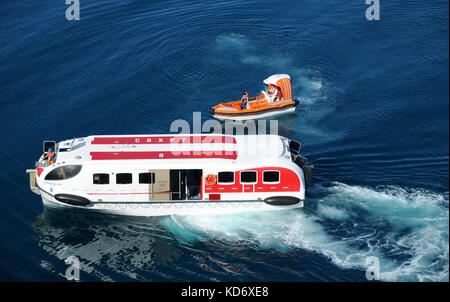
x,y
209,147
273,79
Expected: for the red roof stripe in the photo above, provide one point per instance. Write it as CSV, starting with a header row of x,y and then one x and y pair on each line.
x,y
163,155
131,193
187,139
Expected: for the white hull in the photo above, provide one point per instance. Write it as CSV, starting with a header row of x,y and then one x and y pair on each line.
x,y
256,116
160,175
172,208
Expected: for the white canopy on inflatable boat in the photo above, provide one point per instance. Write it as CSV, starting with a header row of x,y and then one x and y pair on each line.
x,y
273,79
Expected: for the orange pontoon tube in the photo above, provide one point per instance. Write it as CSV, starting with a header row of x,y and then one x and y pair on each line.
x,y
262,105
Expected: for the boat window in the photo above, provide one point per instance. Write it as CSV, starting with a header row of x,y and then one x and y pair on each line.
x,y
78,146
146,178
294,146
226,177
63,172
101,179
49,144
248,177
124,178
271,176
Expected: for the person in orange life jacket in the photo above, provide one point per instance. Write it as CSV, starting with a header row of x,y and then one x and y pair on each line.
x,y
49,156
244,100
273,93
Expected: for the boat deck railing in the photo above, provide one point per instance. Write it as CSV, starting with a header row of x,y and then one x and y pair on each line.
x,y
43,162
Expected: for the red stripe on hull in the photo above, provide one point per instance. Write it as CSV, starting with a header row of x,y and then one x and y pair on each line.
x,y
212,139
163,155
289,182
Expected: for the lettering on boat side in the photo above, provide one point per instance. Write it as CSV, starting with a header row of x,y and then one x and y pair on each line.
x,y
52,183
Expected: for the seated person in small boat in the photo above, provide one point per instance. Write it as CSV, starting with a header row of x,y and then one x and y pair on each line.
x,y
273,94
244,100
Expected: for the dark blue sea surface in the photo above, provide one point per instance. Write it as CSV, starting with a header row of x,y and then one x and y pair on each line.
x,y
373,119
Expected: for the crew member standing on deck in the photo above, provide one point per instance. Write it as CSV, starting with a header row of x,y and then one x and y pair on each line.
x,y
244,100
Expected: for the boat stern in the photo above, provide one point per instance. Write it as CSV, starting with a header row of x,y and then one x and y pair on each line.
x,y
32,177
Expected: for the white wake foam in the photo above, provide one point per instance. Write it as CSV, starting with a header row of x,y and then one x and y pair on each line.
x,y
407,230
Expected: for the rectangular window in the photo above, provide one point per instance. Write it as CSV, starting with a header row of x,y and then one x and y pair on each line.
x,y
49,144
124,178
248,177
294,146
226,177
271,176
300,161
101,179
146,178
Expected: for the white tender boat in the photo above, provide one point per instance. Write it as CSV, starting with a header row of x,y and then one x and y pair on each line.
x,y
154,175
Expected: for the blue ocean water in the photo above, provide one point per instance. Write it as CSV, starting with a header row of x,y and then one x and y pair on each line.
x,y
373,119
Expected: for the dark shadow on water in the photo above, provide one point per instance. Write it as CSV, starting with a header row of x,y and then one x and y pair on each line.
x,y
109,247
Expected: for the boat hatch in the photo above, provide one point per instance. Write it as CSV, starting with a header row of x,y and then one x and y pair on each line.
x,y
49,144
294,146
299,160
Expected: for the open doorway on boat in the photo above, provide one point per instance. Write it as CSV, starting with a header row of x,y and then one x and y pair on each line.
x,y
185,184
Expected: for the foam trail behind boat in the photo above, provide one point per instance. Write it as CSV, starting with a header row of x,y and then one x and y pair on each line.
x,y
407,230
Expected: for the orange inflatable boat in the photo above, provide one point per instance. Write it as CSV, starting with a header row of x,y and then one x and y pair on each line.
x,y
262,105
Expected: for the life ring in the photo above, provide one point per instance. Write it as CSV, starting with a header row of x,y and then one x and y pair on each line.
x,y
211,180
